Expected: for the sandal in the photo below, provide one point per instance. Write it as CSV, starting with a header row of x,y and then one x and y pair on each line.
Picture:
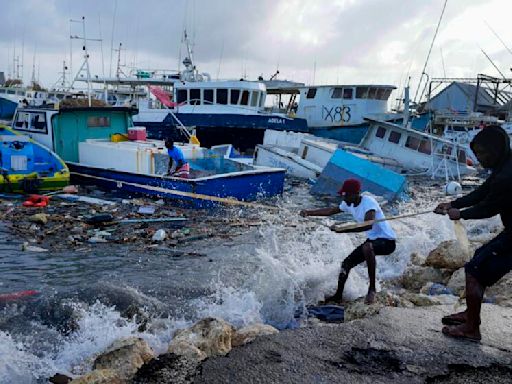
x,y
457,333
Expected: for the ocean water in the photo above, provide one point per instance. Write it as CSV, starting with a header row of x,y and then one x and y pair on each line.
x,y
265,275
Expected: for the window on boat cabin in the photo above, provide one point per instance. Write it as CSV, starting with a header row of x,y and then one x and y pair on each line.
x,y
22,121
2,90
208,96
98,121
254,98
342,93
372,93
234,96
10,92
394,137
461,158
337,93
380,94
348,93
38,122
311,93
383,94
263,96
181,96
222,96
425,147
195,96
361,92
245,98
412,143
381,132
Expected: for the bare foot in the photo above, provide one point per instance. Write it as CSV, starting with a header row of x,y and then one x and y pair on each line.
x,y
463,332
370,298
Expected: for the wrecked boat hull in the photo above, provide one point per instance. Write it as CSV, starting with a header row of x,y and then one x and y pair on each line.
x,y
198,193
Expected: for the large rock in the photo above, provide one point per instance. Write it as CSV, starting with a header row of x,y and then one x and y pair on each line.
x,y
99,376
186,349
449,255
125,356
247,334
358,309
501,292
457,282
416,277
211,336
167,368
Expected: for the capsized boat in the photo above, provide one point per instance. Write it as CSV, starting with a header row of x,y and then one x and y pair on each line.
x,y
329,162
27,166
91,141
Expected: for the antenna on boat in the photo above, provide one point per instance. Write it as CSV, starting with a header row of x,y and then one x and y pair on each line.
x,y
423,73
62,78
220,58
33,78
492,62
119,71
85,64
112,38
498,37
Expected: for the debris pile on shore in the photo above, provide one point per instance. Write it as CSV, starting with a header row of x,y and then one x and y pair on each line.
x,y
92,218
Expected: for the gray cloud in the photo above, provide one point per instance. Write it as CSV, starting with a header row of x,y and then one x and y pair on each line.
x,y
353,41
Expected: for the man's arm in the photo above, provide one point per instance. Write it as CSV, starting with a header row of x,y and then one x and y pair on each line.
x,y
497,197
171,162
474,197
180,163
320,212
369,216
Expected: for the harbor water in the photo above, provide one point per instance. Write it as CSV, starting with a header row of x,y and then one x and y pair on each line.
x,y
267,274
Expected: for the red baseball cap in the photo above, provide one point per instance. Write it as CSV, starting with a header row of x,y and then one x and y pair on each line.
x,y
351,186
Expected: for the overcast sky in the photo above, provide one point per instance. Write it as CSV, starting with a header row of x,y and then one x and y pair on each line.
x,y
311,41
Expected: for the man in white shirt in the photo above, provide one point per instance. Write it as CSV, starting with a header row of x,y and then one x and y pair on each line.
x,y
381,238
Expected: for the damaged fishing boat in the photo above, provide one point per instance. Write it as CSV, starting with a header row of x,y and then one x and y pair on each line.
x,y
28,167
329,162
94,142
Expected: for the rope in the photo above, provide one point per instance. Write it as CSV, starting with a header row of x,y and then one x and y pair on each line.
x,y
341,228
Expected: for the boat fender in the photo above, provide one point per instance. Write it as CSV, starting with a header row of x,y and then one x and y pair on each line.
x,y
453,188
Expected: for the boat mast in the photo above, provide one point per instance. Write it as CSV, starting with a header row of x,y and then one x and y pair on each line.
x,y
85,64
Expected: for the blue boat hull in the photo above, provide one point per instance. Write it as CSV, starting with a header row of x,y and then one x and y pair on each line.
x,y
7,108
242,186
374,178
243,131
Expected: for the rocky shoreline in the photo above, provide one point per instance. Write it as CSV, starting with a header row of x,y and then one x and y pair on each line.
x,y
399,345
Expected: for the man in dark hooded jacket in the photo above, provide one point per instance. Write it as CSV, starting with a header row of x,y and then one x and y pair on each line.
x,y
493,260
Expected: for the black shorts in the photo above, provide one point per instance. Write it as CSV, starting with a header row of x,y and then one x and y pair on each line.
x,y
492,261
380,247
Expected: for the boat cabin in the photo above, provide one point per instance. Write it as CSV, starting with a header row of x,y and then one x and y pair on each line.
x,y
341,105
233,97
416,150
